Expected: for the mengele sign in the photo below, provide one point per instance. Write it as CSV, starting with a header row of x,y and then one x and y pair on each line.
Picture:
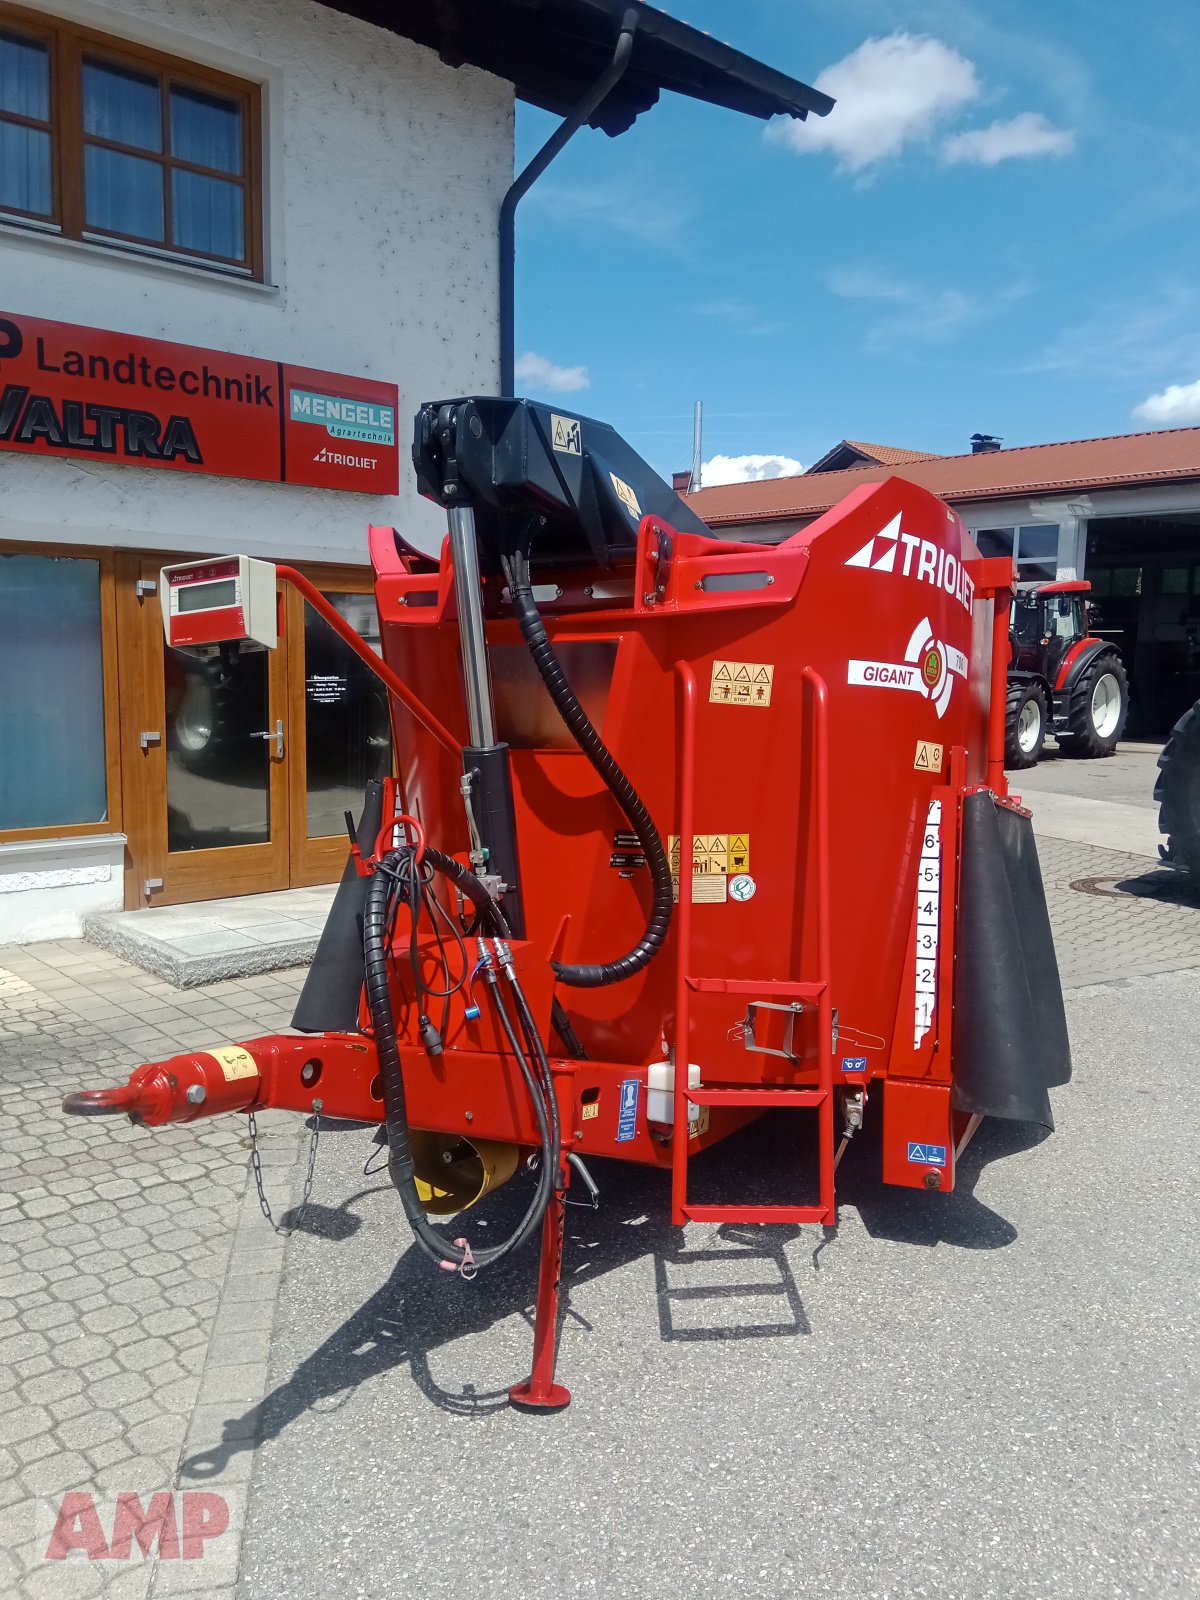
x,y
87,393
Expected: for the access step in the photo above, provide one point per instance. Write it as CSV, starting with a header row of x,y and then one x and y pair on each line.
x,y
756,1097
823,1214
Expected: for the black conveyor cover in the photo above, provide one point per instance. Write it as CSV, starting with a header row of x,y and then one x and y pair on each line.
x,y
328,1002
1010,1028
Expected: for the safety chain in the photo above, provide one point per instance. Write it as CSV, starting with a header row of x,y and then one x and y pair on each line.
x,y
256,1165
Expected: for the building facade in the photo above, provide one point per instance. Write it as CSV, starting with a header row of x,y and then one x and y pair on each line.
x,y
1123,512
204,195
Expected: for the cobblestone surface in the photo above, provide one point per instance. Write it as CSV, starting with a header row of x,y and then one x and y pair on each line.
x,y
1120,933
115,1242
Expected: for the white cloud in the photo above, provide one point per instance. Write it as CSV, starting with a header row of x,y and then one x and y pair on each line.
x,y
747,469
1176,407
890,92
536,373
1028,134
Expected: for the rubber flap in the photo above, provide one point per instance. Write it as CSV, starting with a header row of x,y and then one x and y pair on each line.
x,y
328,1002
1010,1027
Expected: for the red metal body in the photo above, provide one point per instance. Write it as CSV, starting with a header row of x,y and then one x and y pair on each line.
x,y
804,720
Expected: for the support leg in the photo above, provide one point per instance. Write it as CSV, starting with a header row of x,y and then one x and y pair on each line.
x,y
541,1393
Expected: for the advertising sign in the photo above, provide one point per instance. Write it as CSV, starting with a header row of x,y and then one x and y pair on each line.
x,y
87,393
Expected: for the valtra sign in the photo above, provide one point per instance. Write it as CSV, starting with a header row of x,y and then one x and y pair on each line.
x,y
84,392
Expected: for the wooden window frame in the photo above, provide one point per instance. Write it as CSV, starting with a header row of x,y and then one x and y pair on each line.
x,y
68,45
108,661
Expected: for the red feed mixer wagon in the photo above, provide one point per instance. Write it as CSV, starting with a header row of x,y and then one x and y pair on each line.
x,y
682,830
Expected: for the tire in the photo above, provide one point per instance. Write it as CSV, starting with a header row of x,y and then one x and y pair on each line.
x,y
1177,791
1098,708
1026,720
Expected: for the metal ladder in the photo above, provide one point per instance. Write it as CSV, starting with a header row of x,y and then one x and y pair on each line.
x,y
816,992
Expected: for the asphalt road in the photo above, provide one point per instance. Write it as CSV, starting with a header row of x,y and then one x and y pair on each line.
x,y
992,1393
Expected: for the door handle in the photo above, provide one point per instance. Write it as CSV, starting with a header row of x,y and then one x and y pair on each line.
x,y
277,735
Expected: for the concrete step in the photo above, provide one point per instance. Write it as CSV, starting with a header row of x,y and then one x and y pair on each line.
x,y
212,939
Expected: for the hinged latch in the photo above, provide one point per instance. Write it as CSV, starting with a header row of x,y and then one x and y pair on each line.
x,y
148,737
145,586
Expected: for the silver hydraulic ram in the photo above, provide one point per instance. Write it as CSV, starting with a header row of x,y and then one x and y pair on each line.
x,y
485,760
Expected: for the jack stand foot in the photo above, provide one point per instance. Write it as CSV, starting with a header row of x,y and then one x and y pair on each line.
x,y
540,1392
552,1397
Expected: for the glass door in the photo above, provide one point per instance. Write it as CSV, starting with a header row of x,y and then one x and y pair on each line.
x,y
341,727
204,754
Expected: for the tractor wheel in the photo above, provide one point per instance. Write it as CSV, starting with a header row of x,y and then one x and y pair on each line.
x,y
1025,725
1096,715
1177,791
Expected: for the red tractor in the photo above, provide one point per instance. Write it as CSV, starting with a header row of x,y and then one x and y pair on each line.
x,y
1061,679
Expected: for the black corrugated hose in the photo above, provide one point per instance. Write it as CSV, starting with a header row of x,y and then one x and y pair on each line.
x,y
516,570
382,899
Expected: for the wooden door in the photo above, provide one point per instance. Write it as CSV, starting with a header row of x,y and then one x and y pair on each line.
x,y
204,758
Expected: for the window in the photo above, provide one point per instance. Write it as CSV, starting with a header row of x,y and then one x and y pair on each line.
x,y
53,773
1035,547
104,141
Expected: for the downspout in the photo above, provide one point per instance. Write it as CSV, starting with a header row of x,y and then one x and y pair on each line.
x,y
594,97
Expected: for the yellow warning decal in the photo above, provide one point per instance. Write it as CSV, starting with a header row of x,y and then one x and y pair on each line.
x,y
698,1121
233,1061
741,683
590,1110
626,496
713,852
929,757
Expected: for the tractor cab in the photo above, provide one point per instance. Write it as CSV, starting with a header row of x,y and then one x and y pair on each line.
x,y
1045,622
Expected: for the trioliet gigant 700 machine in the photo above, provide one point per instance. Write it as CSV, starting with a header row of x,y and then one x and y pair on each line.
x,y
682,830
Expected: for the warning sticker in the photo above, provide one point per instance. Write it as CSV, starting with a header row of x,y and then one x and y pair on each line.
x,y
741,683
233,1061
698,1121
713,852
626,496
627,1113
590,1110
565,435
708,888
928,757
927,1155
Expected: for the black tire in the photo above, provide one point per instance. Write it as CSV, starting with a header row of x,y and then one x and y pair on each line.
x,y
1022,747
1093,730
1177,791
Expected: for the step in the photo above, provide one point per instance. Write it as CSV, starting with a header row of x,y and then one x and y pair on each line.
x,y
758,988
756,1097
758,1214
207,940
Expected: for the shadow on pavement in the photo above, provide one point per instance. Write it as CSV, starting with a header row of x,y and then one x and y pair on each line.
x,y
742,1287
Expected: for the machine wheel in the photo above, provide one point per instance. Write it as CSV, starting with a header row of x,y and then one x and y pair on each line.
x,y
1177,791
1025,725
1096,715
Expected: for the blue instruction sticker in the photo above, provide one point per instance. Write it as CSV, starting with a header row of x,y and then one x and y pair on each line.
x,y
627,1115
854,1063
928,1155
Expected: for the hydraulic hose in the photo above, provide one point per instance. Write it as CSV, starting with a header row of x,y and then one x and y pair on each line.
x,y
376,918
579,726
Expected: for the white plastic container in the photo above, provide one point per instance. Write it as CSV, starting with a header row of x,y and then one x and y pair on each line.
x,y
660,1097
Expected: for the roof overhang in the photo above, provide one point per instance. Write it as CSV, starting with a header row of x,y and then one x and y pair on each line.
x,y
552,51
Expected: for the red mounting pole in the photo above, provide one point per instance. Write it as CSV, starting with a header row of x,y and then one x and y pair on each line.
x,y
541,1393
820,750
995,577
367,656
683,946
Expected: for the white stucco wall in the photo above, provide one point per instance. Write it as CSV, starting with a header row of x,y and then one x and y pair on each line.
x,y
385,172
48,886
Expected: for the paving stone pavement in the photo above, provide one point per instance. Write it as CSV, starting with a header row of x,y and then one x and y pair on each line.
x,y
1105,937
116,1251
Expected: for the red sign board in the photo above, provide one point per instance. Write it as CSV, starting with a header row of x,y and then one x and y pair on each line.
x,y
84,392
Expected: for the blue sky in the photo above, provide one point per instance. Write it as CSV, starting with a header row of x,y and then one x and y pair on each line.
x,y
996,230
